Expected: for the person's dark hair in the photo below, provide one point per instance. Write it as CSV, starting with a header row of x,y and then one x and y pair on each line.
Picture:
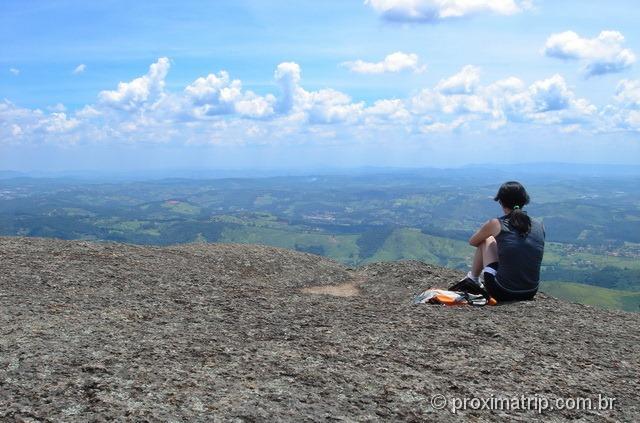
x,y
512,195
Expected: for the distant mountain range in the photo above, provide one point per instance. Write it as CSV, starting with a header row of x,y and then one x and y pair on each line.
x,y
484,169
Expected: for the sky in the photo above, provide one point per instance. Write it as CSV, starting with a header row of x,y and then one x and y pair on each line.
x,y
248,84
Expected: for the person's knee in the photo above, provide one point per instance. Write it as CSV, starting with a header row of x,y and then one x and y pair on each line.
x,y
488,241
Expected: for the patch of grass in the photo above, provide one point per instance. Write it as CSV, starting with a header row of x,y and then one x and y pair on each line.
x,y
593,295
264,200
342,248
77,212
181,207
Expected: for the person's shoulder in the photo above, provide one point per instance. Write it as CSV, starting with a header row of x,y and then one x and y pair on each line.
x,y
496,226
502,219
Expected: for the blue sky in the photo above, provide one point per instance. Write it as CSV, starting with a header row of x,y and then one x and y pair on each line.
x,y
133,85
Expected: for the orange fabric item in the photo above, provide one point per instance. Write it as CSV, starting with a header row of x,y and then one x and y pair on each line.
x,y
452,298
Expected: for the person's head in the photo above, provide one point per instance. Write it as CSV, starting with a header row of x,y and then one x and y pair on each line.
x,y
513,197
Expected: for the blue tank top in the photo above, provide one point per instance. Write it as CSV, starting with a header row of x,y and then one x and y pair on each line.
x,y
519,257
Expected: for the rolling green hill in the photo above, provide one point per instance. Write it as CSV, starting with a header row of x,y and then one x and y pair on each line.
x,y
591,224
412,244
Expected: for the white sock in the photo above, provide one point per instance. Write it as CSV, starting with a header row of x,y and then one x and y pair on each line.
x,y
476,279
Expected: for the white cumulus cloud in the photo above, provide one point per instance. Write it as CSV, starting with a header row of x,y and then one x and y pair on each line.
x,y
330,106
628,93
445,126
33,124
59,122
546,101
438,10
131,95
218,109
430,101
600,55
322,106
550,94
394,62
463,82
288,75
218,94
624,113
632,120
388,110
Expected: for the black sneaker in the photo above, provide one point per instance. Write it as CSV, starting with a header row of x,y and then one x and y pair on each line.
x,y
468,285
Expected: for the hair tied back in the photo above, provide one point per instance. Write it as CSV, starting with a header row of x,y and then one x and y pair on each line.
x,y
512,196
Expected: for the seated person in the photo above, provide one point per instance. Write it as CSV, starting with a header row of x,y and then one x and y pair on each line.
x,y
509,250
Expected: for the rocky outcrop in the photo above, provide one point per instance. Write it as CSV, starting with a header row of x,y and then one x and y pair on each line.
x,y
100,331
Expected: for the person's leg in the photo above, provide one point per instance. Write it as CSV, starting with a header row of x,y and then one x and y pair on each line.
x,y
486,253
476,266
489,251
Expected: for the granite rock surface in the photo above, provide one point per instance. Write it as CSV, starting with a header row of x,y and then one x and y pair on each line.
x,y
227,332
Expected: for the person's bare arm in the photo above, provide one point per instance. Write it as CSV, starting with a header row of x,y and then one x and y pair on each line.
x,y
491,228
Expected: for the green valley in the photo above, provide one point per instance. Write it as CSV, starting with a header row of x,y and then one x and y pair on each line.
x,y
593,237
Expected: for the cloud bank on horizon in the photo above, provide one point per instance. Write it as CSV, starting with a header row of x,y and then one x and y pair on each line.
x,y
218,109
